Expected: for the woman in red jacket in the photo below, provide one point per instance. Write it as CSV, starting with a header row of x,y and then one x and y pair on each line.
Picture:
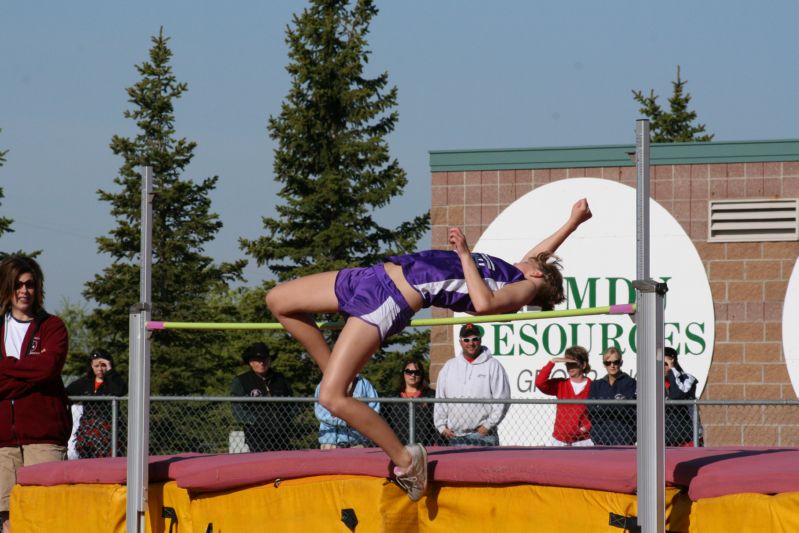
x,y
572,426
34,420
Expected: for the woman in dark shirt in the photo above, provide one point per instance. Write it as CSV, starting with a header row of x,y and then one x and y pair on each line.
x,y
413,383
93,437
613,425
679,419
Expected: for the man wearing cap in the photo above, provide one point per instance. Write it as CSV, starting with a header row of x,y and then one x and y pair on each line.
x,y
267,426
472,373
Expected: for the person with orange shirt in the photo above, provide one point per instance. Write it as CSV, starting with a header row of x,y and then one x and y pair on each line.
x,y
413,383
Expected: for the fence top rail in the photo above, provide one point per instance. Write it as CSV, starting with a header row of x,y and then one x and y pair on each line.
x,y
619,309
511,401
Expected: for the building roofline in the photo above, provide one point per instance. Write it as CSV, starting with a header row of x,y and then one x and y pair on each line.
x,y
615,155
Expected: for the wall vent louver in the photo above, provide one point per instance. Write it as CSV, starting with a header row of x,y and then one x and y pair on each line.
x,y
753,220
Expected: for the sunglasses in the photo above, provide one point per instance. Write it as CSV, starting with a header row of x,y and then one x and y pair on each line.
x,y
470,339
615,362
28,284
408,372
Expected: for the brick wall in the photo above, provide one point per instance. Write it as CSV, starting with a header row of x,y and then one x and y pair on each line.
x,y
747,280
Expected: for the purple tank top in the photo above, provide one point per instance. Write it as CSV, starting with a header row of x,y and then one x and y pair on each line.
x,y
438,276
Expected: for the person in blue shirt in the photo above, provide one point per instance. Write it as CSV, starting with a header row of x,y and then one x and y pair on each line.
x,y
333,431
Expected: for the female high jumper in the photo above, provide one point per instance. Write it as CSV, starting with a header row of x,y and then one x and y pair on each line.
x,y
380,300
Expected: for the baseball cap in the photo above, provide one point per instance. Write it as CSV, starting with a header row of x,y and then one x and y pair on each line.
x,y
258,350
470,329
99,353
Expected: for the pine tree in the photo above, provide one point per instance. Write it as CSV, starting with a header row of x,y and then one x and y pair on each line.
x,y
674,125
332,158
5,223
74,315
184,280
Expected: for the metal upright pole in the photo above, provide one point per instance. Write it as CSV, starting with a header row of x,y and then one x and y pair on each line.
x,y
650,452
145,277
411,423
642,199
139,394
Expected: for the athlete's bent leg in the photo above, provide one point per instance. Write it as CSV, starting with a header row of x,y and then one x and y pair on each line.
x,y
356,344
294,304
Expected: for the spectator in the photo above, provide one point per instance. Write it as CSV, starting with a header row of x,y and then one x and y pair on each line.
x,y
613,425
680,385
34,420
333,431
265,425
93,436
572,426
413,383
472,373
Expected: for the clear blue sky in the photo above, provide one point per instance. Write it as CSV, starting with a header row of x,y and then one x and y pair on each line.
x,y
470,75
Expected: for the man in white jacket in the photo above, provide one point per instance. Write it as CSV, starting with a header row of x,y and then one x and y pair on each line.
x,y
472,373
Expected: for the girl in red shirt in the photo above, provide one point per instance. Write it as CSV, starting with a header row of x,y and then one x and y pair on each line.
x,y
572,426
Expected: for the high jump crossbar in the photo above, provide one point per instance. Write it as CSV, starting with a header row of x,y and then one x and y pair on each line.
x,y
619,309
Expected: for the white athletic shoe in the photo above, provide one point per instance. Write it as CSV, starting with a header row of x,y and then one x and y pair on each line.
x,y
414,480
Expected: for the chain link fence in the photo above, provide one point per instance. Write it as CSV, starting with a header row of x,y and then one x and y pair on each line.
x,y
243,424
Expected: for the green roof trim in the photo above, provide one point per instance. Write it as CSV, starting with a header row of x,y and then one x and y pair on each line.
x,y
614,155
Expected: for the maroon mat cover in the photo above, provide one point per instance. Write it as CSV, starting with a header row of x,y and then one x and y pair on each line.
x,y
705,472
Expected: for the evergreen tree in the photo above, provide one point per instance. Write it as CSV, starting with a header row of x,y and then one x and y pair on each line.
x,y
74,316
183,278
5,223
333,159
675,125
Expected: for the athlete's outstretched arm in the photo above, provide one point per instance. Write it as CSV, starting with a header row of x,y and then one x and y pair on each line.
x,y
508,299
580,213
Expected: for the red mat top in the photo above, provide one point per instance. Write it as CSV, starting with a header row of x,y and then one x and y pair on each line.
x,y
711,472
707,472
111,470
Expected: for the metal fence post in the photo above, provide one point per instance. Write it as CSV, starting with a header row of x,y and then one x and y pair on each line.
x,y
411,424
695,412
114,426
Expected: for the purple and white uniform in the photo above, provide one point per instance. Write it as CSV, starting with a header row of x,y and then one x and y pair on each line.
x,y
370,294
438,276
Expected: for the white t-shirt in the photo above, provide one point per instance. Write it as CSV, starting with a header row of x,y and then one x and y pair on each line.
x,y
14,335
578,387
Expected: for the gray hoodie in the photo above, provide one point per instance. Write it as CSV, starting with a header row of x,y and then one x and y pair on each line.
x,y
485,378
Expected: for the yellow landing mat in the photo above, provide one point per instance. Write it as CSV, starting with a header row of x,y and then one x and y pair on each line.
x,y
93,508
319,504
532,508
312,504
744,512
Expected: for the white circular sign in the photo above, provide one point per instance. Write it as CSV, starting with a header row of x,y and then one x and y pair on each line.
x,y
599,267
790,333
